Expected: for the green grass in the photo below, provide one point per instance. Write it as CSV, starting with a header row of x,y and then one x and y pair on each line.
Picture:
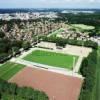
x,y
83,27
6,96
9,69
53,34
95,94
51,58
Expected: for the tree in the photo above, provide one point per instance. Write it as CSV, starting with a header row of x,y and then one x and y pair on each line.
x,y
88,70
2,35
26,45
12,88
15,50
3,57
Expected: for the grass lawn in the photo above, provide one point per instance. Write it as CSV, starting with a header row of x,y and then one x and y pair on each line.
x,y
83,27
96,90
9,69
51,58
95,93
53,34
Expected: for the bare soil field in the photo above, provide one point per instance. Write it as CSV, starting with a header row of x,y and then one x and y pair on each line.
x,y
56,86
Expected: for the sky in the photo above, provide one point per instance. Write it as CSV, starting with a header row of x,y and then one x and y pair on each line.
x,y
49,3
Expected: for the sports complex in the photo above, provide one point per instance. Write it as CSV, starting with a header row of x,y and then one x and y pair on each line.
x,y
49,69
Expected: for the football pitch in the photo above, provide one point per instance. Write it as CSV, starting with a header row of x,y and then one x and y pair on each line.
x,y
9,69
52,59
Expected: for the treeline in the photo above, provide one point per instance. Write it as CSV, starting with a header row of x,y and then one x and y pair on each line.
x,y
81,18
62,42
10,91
88,70
95,32
9,48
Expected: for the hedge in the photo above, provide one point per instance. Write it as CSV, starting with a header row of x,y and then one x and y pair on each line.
x,y
88,70
12,92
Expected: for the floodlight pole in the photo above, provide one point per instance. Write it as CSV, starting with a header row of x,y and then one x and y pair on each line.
x,y
82,44
73,63
37,38
13,51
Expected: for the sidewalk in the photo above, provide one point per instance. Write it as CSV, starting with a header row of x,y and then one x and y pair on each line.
x,y
78,65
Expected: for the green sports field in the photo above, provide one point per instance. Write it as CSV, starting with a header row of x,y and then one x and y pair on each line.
x,y
51,59
9,69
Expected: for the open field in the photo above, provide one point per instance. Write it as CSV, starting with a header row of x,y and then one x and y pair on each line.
x,y
56,32
9,69
56,86
83,27
51,59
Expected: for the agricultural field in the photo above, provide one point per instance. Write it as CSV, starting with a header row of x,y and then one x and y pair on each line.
x,y
51,59
9,69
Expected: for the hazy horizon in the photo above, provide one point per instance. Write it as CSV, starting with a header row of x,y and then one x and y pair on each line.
x,y
68,4
53,8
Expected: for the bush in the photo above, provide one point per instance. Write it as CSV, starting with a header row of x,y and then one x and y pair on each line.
x,y
26,45
12,91
3,57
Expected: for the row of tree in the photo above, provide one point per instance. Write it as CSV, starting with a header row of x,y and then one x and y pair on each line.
x,y
81,18
88,70
62,42
9,48
10,91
